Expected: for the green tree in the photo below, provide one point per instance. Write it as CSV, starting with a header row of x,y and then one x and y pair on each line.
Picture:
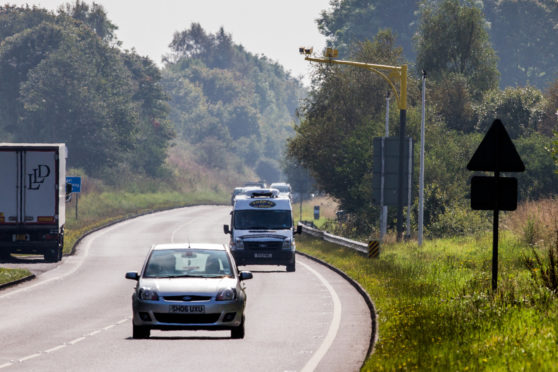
x,y
93,16
453,102
520,109
17,19
154,129
218,89
549,123
525,37
349,22
452,38
540,179
64,81
297,176
65,99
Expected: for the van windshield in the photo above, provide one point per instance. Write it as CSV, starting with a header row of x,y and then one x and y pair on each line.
x,y
263,219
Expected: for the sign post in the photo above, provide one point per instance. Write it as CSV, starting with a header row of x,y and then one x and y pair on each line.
x,y
496,153
76,187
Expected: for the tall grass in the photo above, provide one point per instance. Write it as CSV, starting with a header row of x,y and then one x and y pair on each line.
x,y
537,223
437,312
435,305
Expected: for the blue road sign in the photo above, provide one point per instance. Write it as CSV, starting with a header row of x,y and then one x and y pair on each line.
x,y
75,182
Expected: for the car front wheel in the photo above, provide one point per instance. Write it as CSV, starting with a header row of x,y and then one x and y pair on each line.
x,y
141,332
238,332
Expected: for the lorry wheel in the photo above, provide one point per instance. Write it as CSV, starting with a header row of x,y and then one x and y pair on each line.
x,y
53,254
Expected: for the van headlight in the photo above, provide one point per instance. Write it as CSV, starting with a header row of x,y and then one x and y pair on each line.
x,y
288,244
238,244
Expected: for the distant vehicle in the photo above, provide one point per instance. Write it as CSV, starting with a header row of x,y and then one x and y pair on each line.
x,y
260,184
262,230
284,188
236,191
33,199
188,286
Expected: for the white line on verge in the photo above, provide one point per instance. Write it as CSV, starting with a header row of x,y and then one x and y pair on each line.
x,y
333,327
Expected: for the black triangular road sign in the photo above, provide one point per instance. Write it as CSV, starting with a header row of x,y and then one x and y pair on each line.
x,y
496,152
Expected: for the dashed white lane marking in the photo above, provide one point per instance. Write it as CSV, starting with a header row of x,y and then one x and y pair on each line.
x,y
175,231
29,357
333,326
65,344
77,261
79,339
56,348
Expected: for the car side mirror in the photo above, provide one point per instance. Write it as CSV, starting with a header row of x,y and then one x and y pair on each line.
x,y
132,276
245,275
226,229
298,229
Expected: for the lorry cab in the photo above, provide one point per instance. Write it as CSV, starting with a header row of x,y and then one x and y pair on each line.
x,y
261,229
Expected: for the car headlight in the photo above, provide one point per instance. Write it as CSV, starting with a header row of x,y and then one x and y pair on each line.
x,y
226,294
147,294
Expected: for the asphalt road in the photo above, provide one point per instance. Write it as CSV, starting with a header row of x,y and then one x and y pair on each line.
x,y
76,316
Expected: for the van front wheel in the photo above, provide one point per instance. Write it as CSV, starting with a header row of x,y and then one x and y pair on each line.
x,y
291,267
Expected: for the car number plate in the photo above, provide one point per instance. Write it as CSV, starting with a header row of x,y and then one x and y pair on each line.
x,y
263,255
21,238
187,309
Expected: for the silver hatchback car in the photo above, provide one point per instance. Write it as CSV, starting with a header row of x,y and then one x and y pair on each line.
x,y
189,286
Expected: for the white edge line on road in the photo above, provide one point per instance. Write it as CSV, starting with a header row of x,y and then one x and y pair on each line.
x,y
78,265
333,327
82,257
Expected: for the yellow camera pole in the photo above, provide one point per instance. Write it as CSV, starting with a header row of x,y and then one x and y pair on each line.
x,y
396,74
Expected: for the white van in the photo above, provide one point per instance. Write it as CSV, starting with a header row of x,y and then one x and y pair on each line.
x,y
261,229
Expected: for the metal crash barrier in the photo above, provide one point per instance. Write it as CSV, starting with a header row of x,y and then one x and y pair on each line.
x,y
324,235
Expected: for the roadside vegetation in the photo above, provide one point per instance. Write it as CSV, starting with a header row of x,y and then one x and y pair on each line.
x,y
12,275
436,310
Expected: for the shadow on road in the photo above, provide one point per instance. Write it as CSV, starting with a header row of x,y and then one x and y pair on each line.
x,y
22,259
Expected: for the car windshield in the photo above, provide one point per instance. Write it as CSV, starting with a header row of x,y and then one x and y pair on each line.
x,y
262,219
184,263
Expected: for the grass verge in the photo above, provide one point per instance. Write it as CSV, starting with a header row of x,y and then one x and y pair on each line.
x,y
12,275
436,310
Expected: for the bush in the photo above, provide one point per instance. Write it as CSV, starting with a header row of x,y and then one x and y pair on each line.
x,y
458,220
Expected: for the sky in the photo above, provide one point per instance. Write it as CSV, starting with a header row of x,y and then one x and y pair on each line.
x,y
275,29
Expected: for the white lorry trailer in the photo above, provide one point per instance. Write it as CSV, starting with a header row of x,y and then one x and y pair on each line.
x,y
262,230
32,199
